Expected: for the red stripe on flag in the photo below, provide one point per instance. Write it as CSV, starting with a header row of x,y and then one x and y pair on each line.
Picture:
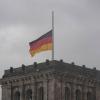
x,y
41,42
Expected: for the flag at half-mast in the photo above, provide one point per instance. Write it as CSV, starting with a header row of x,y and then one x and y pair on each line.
x,y
41,44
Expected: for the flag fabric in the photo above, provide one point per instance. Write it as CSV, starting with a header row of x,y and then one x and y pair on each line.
x,y
43,43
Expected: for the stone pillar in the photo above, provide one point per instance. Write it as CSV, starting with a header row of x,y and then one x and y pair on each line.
x,y
45,86
63,91
73,92
21,93
58,87
22,90
98,92
33,90
84,93
6,93
9,96
94,94
51,88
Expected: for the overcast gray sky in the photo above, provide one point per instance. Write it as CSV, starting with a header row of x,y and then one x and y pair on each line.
x,y
77,31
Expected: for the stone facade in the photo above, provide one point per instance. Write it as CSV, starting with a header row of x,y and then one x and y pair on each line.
x,y
51,80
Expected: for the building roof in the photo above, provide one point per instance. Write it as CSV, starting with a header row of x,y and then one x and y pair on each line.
x,y
53,66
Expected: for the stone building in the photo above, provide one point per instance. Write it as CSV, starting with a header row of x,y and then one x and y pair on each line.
x,y
51,80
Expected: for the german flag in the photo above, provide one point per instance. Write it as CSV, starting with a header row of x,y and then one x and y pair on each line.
x,y
43,43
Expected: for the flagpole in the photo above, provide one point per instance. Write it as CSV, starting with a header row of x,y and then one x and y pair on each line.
x,y
53,35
